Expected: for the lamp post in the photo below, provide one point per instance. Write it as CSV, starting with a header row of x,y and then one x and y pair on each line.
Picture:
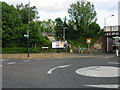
x,y
105,30
64,33
28,27
106,18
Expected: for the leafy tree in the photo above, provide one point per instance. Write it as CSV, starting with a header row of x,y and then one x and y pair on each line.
x,y
59,28
35,34
71,33
94,30
11,25
15,26
0,26
48,26
82,14
23,9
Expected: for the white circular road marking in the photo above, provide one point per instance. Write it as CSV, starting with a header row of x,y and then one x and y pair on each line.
x,y
104,86
99,71
113,63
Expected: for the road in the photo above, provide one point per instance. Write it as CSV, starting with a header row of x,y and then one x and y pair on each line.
x,y
79,72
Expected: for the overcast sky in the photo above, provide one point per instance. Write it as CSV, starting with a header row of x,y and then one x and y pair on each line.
x,y
51,9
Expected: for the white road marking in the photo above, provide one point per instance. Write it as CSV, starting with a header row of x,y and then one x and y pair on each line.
x,y
99,71
104,86
3,60
38,59
26,60
11,63
0,65
113,63
50,71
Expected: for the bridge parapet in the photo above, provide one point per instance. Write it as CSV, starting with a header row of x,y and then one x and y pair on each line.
x,y
112,31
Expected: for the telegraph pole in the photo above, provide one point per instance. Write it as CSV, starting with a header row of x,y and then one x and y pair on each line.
x,y
28,28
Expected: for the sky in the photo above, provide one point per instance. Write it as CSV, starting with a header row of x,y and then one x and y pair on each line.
x,y
52,9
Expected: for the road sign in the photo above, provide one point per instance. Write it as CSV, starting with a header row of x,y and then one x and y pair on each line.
x,y
26,35
88,40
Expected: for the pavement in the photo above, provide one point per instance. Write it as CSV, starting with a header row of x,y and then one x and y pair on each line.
x,y
53,55
80,71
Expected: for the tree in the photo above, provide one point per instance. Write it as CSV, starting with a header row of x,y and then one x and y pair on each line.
x,y
71,33
23,9
11,25
35,34
48,26
82,14
59,28
94,30
15,26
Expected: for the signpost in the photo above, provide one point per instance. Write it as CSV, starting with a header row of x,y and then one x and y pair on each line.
x,y
117,45
88,41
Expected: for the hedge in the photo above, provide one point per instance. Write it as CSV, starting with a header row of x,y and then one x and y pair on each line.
x,y
16,50
20,50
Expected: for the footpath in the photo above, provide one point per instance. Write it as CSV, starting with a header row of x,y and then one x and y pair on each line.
x,y
53,55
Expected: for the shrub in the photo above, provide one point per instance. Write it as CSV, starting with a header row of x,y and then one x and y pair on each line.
x,y
14,50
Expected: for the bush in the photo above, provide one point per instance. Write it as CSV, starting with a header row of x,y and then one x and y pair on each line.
x,y
35,50
14,50
20,50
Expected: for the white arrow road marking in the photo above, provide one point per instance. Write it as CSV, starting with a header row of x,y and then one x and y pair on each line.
x,y
11,63
104,86
50,71
26,60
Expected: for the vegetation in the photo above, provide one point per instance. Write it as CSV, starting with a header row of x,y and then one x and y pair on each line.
x,y
15,26
81,25
83,22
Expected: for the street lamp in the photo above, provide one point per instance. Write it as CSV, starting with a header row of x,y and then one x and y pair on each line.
x,y
64,33
105,29
28,27
105,20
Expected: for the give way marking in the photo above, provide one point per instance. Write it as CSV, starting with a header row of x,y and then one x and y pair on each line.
x,y
50,71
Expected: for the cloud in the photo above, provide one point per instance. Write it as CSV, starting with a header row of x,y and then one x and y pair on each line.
x,y
58,8
110,21
53,8
14,2
105,9
45,15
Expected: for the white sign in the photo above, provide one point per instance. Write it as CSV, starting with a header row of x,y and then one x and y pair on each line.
x,y
59,44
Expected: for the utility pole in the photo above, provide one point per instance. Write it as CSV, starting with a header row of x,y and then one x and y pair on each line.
x,y
28,28
64,34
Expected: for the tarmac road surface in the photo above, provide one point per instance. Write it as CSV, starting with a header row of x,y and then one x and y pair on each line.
x,y
79,72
